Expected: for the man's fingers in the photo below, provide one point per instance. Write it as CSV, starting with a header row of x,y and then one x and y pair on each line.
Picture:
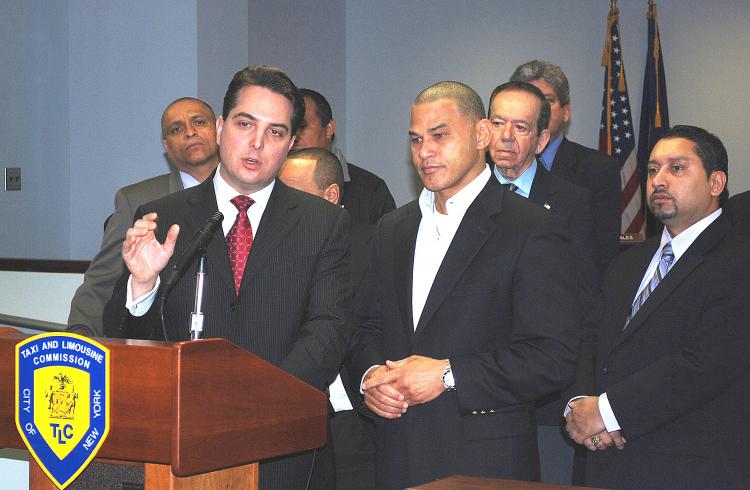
x,y
171,238
380,380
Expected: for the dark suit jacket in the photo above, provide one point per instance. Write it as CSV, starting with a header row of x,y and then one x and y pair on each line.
x,y
678,378
506,347
572,208
600,174
366,196
293,307
87,306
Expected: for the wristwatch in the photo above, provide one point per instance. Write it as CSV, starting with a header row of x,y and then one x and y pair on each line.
x,y
448,382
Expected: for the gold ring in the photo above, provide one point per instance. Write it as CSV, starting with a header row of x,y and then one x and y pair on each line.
x,y
595,440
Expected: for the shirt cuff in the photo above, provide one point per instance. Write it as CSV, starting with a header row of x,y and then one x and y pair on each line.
x,y
140,306
608,416
567,405
362,381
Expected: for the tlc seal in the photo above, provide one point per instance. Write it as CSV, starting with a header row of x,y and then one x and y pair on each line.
x,y
62,401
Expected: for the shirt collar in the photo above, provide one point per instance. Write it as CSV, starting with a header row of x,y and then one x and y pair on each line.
x,y
225,192
548,155
682,242
523,182
460,201
342,159
188,180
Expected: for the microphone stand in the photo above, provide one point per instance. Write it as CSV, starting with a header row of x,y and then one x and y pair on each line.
x,y
196,317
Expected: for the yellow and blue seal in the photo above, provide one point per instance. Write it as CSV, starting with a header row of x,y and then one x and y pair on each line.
x,y
62,401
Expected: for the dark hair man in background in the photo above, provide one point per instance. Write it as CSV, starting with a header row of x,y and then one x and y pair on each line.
x,y
519,114
588,168
188,130
665,359
366,196
454,344
288,298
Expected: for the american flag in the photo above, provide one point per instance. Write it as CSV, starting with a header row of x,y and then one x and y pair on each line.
x,y
616,135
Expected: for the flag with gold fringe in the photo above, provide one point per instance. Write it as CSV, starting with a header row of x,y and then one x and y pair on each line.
x,y
616,133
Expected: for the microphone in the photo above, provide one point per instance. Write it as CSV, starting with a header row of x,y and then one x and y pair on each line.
x,y
197,247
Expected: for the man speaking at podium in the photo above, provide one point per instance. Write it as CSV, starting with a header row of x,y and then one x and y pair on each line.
x,y
277,279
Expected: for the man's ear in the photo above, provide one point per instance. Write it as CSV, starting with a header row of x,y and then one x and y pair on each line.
x,y
332,193
717,182
543,140
219,126
330,129
566,112
483,128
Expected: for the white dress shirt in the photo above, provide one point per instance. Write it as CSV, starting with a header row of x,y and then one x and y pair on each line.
x,y
436,232
680,244
224,194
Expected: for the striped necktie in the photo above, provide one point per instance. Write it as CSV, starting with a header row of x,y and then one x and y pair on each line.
x,y
510,186
665,262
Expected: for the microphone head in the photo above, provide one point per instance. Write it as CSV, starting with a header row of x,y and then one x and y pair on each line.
x,y
216,217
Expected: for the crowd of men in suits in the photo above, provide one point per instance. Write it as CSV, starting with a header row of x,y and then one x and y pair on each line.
x,y
487,328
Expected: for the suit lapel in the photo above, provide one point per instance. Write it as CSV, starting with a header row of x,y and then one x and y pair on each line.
x,y
691,259
202,204
473,232
278,219
175,181
541,191
404,242
562,165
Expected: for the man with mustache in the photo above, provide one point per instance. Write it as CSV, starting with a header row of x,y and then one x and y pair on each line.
x,y
665,360
188,131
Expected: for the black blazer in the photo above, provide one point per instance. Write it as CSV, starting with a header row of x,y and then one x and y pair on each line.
x,y
678,378
600,174
571,206
483,312
293,308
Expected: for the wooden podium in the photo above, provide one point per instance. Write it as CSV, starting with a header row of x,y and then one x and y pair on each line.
x,y
196,414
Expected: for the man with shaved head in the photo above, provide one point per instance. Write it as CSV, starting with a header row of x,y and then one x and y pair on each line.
x,y
454,344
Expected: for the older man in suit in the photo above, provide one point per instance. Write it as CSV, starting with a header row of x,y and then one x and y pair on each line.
x,y
519,114
665,359
278,285
454,344
188,129
575,163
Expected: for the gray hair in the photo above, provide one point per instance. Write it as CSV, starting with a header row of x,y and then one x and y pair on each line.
x,y
552,74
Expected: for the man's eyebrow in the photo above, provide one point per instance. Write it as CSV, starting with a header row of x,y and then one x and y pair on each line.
x,y
439,126
247,115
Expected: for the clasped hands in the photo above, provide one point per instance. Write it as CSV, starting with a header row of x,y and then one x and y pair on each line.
x,y
390,389
585,425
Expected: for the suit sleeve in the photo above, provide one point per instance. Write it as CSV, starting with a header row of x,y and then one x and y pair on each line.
x,y
323,340
711,362
540,355
87,306
606,212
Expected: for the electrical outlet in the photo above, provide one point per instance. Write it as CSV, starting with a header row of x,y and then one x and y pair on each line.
x,y
12,178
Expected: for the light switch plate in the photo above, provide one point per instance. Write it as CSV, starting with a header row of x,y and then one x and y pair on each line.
x,y
12,178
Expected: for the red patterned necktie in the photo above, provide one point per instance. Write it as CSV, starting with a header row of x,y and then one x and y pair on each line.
x,y
240,239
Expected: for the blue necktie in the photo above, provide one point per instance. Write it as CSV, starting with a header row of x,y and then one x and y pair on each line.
x,y
665,262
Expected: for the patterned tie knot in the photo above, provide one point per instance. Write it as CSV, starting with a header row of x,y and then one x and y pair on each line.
x,y
667,255
242,203
510,186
